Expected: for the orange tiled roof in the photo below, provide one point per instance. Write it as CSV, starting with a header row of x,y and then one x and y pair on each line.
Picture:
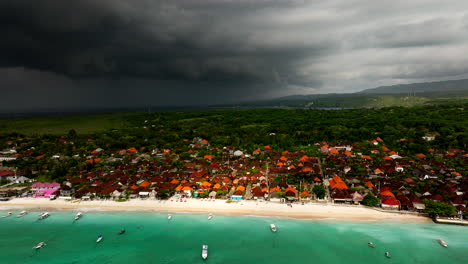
x,y
240,188
145,184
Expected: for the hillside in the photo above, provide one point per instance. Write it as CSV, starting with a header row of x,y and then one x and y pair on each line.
x,y
427,88
405,95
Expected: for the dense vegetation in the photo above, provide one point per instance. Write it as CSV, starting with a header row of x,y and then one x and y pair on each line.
x,y
249,129
282,129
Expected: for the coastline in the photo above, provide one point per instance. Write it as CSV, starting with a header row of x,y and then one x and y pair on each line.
x,y
310,211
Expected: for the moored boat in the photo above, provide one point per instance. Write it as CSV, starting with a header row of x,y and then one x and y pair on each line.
x,y
78,215
22,213
210,216
99,238
442,242
273,227
204,251
370,244
43,216
39,245
387,254
169,217
7,215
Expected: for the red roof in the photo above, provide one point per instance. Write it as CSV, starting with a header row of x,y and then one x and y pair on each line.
x,y
390,201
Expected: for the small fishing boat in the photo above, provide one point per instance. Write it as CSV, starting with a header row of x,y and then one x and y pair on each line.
x,y
39,245
273,227
210,216
7,215
43,216
204,253
442,242
370,244
121,232
387,254
99,238
169,217
22,213
78,216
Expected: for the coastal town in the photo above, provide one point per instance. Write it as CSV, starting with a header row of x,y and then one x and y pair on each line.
x,y
365,173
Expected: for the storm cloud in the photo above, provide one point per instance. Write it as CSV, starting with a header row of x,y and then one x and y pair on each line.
x,y
115,53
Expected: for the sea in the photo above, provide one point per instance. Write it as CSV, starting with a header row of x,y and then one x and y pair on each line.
x,y
152,238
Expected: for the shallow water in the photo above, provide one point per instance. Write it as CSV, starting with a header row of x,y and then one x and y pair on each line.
x,y
151,238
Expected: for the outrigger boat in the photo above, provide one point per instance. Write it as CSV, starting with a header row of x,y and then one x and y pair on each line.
x,y
169,217
442,242
370,244
40,245
204,253
210,216
7,215
121,232
22,213
99,238
43,216
387,255
78,216
273,227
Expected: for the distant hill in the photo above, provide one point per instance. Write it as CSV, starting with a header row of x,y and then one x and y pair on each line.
x,y
385,96
454,86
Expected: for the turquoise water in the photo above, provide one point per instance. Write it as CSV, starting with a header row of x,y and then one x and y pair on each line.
x,y
151,238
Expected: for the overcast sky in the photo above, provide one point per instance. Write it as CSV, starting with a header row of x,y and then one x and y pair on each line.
x,y
114,53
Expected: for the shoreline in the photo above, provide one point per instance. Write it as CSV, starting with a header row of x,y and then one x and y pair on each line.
x,y
307,211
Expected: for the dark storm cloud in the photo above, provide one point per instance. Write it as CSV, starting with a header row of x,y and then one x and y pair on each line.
x,y
146,39
131,52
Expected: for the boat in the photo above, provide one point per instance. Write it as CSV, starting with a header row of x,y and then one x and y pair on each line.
x,y
442,242
7,215
370,244
210,216
99,238
43,216
78,215
387,255
22,213
39,245
204,253
121,232
273,227
169,217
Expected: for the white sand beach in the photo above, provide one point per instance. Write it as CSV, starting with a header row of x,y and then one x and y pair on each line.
x,y
220,207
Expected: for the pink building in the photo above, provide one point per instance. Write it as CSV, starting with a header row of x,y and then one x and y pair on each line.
x,y
44,190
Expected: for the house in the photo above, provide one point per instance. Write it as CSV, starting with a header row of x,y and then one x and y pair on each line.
x,y
66,191
391,203
356,197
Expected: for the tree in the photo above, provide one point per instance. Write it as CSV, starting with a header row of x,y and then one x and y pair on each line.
x,y
72,134
435,208
370,200
319,191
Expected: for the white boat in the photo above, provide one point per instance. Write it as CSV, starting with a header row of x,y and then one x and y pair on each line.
x,y
442,242
273,227
39,245
78,215
210,216
22,213
169,217
387,254
370,244
99,238
43,216
7,215
204,253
